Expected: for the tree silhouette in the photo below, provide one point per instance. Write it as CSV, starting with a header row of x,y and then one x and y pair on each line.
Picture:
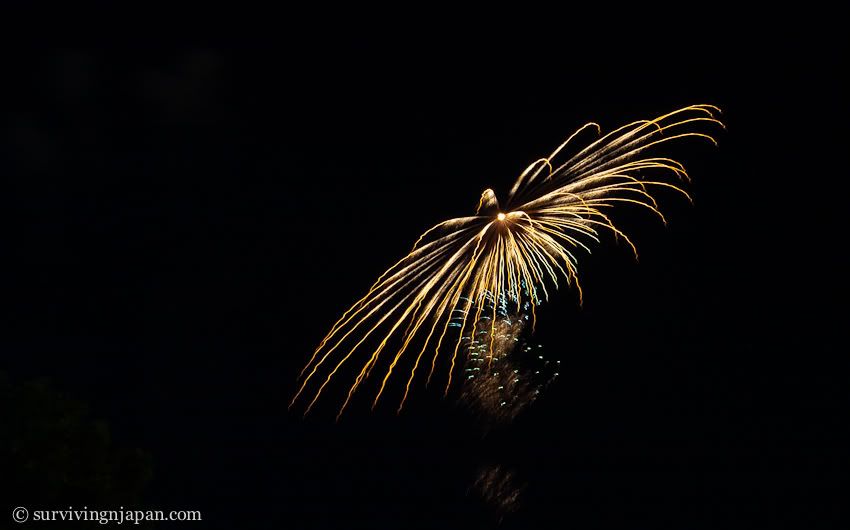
x,y
53,454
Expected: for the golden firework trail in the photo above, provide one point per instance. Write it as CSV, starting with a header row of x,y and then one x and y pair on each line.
x,y
521,251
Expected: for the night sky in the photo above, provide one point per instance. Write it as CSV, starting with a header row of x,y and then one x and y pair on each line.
x,y
183,222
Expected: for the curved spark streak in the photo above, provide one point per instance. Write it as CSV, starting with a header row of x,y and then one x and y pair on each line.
x,y
516,252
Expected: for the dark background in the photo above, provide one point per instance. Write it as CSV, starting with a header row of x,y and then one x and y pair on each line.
x,y
184,221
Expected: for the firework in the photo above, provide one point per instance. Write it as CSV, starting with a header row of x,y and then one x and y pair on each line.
x,y
502,378
523,250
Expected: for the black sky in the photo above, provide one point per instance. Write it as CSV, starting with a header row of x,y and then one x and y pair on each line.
x,y
183,222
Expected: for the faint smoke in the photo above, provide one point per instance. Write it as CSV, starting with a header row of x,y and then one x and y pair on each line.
x,y
498,488
503,373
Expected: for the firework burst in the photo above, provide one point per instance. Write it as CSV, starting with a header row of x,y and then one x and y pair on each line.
x,y
521,250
